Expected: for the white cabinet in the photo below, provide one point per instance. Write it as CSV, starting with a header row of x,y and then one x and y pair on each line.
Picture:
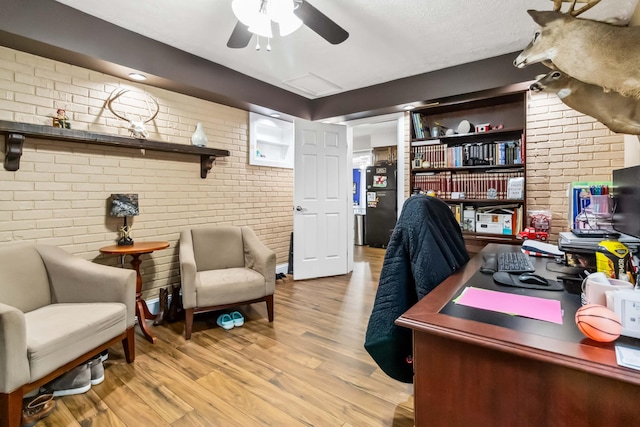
x,y
270,141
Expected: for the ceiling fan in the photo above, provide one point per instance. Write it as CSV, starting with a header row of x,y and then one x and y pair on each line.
x,y
256,16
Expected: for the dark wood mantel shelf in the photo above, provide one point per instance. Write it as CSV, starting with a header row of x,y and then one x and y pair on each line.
x,y
15,134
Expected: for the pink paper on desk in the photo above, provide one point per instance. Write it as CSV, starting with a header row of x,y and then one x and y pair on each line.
x,y
535,308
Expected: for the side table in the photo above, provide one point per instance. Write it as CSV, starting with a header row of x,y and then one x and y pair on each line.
x,y
135,250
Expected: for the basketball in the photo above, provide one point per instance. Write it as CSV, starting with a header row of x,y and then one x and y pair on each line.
x,y
598,323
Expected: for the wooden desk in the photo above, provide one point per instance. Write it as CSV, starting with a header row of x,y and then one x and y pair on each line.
x,y
469,373
136,250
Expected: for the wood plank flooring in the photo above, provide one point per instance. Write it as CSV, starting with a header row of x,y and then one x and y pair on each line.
x,y
307,368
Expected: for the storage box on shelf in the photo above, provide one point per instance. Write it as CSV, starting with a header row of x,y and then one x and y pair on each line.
x,y
470,151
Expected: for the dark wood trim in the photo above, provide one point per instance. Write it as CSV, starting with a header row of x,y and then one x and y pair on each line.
x,y
15,134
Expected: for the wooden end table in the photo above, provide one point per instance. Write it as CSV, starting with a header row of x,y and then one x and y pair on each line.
x,y
135,250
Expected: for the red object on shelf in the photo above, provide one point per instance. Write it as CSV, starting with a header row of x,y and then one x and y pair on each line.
x,y
531,233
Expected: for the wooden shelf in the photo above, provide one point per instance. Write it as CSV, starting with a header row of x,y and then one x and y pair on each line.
x,y
16,133
464,168
467,137
496,201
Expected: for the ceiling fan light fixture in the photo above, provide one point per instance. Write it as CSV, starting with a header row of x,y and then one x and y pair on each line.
x,y
289,25
281,12
246,11
261,26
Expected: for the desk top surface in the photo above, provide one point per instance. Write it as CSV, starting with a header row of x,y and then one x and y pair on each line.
x,y
136,248
565,348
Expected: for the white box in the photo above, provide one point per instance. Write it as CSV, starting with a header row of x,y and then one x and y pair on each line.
x,y
494,223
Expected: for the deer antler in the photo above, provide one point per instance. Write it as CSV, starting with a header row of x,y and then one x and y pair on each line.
x,y
557,5
136,127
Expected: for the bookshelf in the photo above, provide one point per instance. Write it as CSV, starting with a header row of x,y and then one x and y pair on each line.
x,y
470,151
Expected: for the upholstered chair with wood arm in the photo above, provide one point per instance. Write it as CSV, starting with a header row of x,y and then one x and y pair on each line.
x,y
57,311
223,267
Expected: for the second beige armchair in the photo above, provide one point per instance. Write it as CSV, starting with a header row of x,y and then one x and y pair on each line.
x,y
223,267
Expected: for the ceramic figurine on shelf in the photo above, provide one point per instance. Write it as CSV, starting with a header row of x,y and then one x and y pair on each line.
x,y
61,120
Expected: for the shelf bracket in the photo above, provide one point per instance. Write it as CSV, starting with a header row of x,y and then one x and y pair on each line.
x,y
206,163
13,143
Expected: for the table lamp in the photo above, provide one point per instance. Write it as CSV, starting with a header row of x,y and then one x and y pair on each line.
x,y
124,205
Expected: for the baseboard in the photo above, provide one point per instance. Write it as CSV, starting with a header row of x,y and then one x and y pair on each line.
x,y
154,304
282,268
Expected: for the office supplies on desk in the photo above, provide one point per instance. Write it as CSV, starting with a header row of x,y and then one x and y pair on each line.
x,y
514,280
520,305
567,241
514,262
536,248
628,357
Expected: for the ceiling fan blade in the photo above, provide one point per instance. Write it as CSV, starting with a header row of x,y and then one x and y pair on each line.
x,y
240,36
320,23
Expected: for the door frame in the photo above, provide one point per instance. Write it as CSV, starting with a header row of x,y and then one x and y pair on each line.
x,y
399,118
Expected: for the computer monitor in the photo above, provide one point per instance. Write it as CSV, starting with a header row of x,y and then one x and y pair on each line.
x,y
626,194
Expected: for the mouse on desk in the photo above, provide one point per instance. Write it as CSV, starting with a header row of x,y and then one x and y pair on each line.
x,y
533,279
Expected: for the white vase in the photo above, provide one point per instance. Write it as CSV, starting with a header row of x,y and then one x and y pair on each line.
x,y
199,138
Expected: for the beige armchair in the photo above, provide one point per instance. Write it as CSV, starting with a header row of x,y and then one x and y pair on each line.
x,y
223,267
56,312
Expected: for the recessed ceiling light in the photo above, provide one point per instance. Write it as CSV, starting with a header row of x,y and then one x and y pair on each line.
x,y
137,76
274,115
408,107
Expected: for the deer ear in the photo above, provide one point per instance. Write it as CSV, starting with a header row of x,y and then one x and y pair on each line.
x,y
544,18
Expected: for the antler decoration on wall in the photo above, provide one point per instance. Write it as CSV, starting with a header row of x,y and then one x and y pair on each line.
x,y
136,127
557,5
597,64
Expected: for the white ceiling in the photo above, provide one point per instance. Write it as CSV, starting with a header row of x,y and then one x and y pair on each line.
x,y
389,39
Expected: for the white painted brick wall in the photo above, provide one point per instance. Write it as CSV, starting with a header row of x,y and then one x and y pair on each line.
x,y
563,147
59,195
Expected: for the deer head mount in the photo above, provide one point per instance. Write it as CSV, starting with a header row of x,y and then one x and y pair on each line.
x,y
618,113
593,52
136,127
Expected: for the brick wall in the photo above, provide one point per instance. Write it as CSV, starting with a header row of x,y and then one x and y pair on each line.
x,y
565,146
59,194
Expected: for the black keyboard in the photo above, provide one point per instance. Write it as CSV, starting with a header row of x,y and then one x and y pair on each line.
x,y
514,262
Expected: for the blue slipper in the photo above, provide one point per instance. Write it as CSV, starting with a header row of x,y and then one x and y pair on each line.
x,y
225,321
238,319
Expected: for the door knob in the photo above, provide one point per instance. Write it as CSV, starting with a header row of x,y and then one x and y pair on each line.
x,y
299,208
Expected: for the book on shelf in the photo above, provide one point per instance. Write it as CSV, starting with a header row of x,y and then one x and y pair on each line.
x,y
439,155
473,185
515,188
420,128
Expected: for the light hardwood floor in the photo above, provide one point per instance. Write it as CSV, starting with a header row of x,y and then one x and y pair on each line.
x,y
307,368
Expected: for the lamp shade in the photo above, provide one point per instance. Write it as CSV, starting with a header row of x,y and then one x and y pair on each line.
x,y
124,205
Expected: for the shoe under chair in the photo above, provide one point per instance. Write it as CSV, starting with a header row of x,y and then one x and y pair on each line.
x,y
78,380
35,410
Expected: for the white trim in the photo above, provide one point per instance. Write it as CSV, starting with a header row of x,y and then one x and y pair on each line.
x,y
400,166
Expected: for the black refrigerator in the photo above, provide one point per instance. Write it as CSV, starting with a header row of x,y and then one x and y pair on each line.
x,y
382,204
